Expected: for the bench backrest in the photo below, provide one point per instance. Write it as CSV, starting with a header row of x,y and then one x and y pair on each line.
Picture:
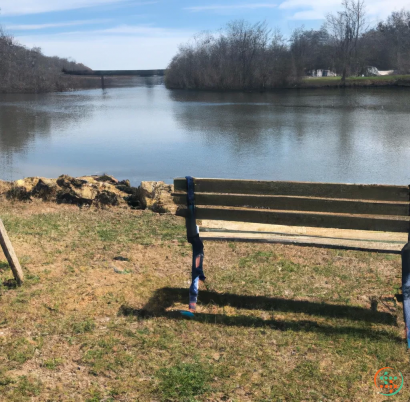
x,y
325,205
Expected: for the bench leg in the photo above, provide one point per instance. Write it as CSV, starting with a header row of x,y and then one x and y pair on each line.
x,y
197,269
405,258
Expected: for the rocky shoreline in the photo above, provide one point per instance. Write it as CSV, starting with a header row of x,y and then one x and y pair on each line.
x,y
99,191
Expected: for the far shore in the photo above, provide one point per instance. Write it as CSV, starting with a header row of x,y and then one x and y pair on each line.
x,y
390,81
354,82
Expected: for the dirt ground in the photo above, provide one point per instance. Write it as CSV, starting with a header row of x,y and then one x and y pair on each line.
x,y
97,318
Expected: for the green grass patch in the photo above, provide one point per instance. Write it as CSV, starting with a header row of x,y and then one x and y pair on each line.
x,y
21,350
82,327
184,381
4,265
53,363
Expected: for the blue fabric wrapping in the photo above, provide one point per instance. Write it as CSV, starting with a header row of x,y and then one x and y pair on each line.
x,y
190,190
197,244
197,271
405,258
190,219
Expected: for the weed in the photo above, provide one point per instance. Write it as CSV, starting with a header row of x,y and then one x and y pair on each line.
x,y
83,326
21,350
4,265
53,363
28,386
287,266
232,246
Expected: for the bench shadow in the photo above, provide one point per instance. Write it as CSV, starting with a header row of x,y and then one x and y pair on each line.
x,y
166,297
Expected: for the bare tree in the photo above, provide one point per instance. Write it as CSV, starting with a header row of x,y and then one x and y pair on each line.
x,y
346,27
243,56
396,31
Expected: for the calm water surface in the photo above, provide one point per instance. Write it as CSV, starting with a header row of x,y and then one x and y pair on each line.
x,y
146,132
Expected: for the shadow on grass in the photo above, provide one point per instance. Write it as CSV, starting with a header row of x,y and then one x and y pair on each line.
x,y
10,284
167,297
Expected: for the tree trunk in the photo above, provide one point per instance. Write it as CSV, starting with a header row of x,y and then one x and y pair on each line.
x,y
344,75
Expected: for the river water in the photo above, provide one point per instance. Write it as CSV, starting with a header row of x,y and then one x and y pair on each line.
x,y
146,132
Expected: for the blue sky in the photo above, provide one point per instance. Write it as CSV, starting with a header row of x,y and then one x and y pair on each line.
x,y
128,34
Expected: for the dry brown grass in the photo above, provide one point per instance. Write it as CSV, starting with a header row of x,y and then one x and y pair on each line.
x,y
276,323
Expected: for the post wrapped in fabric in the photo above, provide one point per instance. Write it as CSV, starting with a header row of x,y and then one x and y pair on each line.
x,y
197,245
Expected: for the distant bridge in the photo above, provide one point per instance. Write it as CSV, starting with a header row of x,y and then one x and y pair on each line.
x,y
110,73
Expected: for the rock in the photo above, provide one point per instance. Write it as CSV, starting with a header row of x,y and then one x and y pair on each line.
x,y
102,190
106,178
75,191
126,189
46,189
69,182
21,189
156,196
108,198
5,186
88,190
19,193
125,183
134,197
28,183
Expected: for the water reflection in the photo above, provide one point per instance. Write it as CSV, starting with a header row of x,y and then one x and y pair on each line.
x,y
19,126
144,132
320,135
28,122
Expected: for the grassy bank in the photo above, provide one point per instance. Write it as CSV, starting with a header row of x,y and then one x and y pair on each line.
x,y
277,323
385,80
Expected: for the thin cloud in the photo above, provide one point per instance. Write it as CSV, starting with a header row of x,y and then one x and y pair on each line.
x,y
317,9
34,27
136,31
22,7
144,30
249,6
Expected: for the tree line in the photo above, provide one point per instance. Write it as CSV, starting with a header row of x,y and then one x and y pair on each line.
x,y
245,56
28,70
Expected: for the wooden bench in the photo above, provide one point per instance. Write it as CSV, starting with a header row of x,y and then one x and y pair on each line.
x,y
382,211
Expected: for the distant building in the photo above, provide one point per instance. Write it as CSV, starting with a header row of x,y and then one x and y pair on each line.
x,y
321,73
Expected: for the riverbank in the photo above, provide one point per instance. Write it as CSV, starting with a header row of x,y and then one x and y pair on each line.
x,y
393,81
355,82
62,83
99,191
97,318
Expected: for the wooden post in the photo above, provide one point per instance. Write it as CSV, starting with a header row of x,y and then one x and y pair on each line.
x,y
10,254
102,82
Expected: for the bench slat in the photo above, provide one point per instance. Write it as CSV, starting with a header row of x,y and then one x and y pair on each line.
x,y
308,241
298,204
302,189
308,219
